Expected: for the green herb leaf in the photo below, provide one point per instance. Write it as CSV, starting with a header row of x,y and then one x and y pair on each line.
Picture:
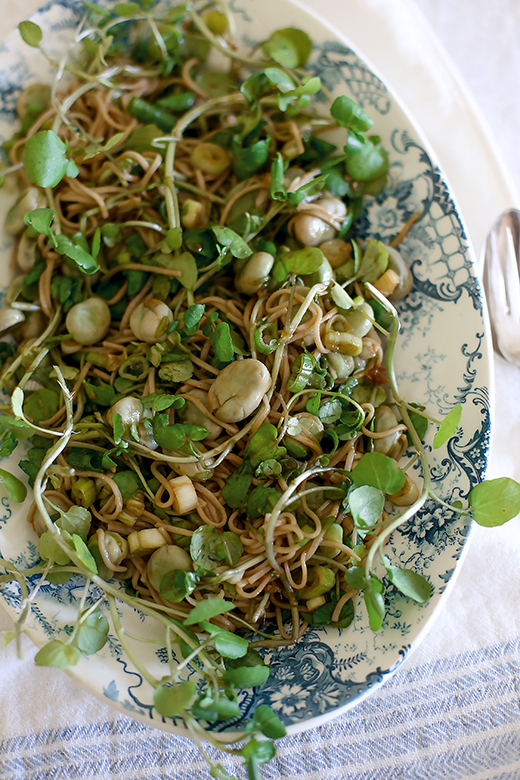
x,y
266,721
409,582
97,9
366,159
495,501
248,160
45,159
375,605
76,520
349,114
31,33
50,550
236,486
84,554
277,189
192,316
171,700
227,644
176,585
210,709
299,261
176,372
264,446
171,437
41,221
246,677
82,258
261,500
94,149
264,82
222,343
128,483
232,241
14,487
119,427
378,471
92,633
366,506
207,609
289,47
57,654
211,547
448,426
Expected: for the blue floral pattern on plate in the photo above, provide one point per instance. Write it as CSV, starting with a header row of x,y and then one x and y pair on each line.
x,y
442,360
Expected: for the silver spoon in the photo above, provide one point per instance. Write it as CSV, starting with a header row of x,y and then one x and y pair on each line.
x,y
501,277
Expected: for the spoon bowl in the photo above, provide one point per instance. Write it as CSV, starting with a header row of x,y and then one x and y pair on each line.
x,y
501,278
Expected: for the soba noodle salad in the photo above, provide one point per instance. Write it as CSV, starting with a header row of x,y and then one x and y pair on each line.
x,y
200,352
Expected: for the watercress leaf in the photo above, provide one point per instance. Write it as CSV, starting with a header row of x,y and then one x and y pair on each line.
x,y
50,550
260,751
84,554
128,483
495,501
355,577
92,633
176,585
41,404
207,609
366,159
82,258
210,547
299,261
97,9
261,500
266,81
119,427
222,343
236,486
223,708
375,605
101,393
8,445
15,488
264,446
185,263
31,33
349,114
227,644
330,411
248,160
45,159
448,426
179,371
409,582
231,240
170,700
419,422
127,9
379,471
289,47
57,654
93,149
277,189
41,221
246,677
76,520
192,316
268,722
366,506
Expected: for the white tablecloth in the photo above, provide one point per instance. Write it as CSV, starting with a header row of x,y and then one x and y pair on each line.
x,y
452,710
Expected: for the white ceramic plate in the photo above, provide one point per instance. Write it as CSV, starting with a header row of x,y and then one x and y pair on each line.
x,y
442,360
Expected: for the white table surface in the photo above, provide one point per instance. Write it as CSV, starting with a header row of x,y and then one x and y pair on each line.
x,y
471,727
